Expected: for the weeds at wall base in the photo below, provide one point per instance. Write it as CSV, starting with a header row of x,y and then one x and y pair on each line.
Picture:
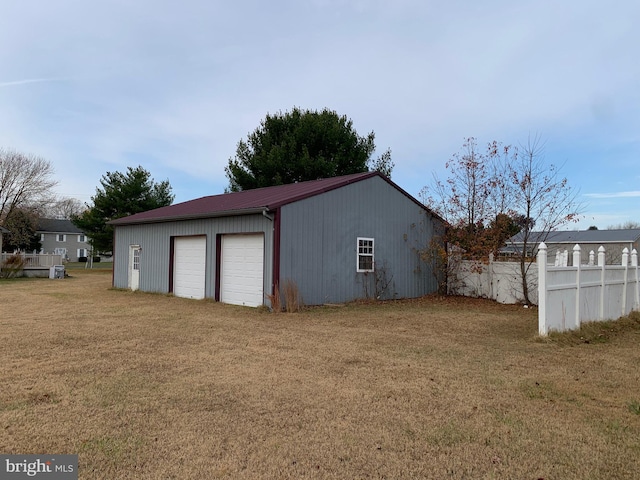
x,y
289,300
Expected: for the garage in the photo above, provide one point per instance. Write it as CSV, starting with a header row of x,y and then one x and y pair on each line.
x,y
189,266
242,269
237,247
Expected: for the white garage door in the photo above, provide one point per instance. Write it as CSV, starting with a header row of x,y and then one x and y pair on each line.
x,y
241,270
189,265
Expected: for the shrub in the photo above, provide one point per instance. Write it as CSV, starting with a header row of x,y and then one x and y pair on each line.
x,y
96,259
12,266
82,259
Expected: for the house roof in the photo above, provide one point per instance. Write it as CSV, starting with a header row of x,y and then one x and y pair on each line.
x,y
628,235
54,225
251,201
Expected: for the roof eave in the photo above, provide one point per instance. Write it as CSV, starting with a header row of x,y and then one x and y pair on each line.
x,y
195,216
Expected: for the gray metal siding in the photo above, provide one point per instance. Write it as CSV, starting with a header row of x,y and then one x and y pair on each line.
x,y
155,240
319,244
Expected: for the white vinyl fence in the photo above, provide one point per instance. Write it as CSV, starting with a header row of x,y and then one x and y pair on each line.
x,y
496,280
568,296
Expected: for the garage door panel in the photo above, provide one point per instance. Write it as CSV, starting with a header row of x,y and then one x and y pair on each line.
x,y
189,267
242,270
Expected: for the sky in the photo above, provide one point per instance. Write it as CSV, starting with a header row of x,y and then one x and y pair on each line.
x,y
95,87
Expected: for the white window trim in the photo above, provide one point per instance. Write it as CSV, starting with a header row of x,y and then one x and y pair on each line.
x,y
82,238
372,255
64,237
136,258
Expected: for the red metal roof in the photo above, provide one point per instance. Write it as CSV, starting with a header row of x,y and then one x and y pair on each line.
x,y
248,201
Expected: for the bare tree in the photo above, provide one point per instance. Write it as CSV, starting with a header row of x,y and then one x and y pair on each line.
x,y
628,225
475,199
65,208
544,199
493,194
25,181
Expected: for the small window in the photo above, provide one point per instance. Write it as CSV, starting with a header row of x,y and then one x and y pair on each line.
x,y
81,238
82,252
136,259
365,255
61,238
42,237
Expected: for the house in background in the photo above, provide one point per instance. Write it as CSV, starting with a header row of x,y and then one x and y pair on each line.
x,y
62,237
337,239
613,241
2,232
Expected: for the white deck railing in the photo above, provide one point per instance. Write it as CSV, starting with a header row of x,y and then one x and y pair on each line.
x,y
35,260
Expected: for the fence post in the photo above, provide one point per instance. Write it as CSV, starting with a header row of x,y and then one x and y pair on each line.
x,y
602,266
592,258
565,258
625,264
542,289
576,263
634,265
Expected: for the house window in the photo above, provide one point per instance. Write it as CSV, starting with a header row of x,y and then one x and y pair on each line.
x,y
82,239
61,238
82,252
42,237
365,255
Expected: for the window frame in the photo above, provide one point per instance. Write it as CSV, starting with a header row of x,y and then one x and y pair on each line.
x,y
365,254
64,237
82,238
136,259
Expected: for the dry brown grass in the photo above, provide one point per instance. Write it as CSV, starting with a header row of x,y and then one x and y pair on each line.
x,y
154,387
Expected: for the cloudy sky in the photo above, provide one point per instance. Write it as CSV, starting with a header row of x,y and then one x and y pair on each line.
x,y
173,86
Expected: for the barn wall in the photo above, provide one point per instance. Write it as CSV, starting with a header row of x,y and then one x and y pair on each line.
x,y
319,244
155,242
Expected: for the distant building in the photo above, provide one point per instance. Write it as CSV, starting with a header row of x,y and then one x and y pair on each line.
x,y
613,241
62,237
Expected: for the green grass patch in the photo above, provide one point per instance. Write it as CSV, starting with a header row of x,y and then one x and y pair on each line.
x,y
634,407
596,332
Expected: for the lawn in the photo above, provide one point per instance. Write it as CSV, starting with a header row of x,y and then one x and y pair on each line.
x,y
149,386
99,266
